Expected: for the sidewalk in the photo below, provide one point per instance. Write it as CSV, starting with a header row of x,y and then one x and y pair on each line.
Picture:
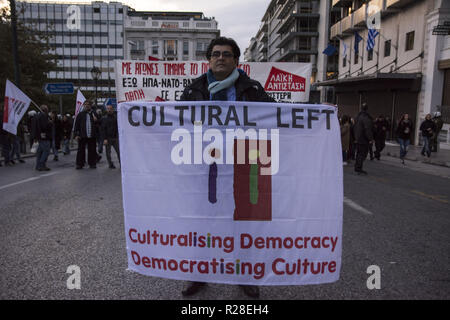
x,y
73,148
440,158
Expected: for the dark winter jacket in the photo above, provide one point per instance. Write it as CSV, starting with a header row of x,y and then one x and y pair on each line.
x,y
80,125
428,127
380,128
66,128
42,127
404,129
246,90
109,128
363,128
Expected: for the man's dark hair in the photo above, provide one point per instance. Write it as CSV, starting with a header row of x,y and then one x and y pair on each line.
x,y
222,41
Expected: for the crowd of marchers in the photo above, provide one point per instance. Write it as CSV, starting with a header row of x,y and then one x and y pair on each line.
x,y
47,133
363,135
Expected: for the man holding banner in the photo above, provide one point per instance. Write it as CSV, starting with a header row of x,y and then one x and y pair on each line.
x,y
225,82
232,187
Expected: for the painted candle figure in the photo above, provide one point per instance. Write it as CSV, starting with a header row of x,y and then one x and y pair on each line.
x,y
212,182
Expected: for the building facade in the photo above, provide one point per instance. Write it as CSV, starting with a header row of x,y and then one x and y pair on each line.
x,y
82,36
179,36
87,35
297,31
406,70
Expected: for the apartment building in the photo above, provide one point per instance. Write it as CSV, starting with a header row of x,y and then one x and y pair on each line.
x,y
94,34
168,35
82,35
297,31
406,71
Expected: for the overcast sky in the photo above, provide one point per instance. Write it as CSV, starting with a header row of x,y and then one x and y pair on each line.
x,y
238,19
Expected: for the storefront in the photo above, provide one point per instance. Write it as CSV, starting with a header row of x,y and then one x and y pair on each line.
x,y
387,94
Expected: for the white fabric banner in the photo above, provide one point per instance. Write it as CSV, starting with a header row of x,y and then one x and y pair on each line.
x,y
16,104
166,80
250,194
79,103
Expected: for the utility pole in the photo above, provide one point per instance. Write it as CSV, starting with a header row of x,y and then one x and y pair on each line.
x,y
14,42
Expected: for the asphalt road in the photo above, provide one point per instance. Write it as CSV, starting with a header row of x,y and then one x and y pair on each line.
x,y
397,218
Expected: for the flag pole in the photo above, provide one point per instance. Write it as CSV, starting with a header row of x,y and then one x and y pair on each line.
x,y
36,105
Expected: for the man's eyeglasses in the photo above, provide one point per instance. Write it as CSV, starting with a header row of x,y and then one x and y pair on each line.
x,y
225,54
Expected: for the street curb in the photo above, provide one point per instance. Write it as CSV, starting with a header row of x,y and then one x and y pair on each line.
x,y
417,159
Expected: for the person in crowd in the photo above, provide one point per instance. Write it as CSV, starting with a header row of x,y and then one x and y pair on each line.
x,y
16,140
380,131
345,138
352,150
363,137
84,132
404,129
42,132
437,119
4,140
224,81
66,128
31,118
56,135
98,132
428,129
110,134
389,128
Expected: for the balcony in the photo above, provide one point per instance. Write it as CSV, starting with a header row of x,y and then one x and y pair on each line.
x,y
335,30
342,3
286,9
347,24
360,16
291,52
287,22
262,47
397,3
291,36
262,36
264,27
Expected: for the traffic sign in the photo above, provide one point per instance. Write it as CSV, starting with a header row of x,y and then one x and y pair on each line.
x,y
59,88
111,101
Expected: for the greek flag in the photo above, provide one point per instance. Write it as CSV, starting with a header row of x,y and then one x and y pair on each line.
x,y
371,39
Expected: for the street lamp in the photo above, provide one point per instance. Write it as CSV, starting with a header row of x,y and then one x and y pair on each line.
x,y
95,72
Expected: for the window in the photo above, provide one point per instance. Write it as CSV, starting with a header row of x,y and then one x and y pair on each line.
x,y
155,47
356,58
185,47
387,48
96,10
370,55
202,46
170,47
344,62
409,45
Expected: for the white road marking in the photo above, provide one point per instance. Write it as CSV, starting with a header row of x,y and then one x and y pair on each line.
x,y
28,180
356,206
